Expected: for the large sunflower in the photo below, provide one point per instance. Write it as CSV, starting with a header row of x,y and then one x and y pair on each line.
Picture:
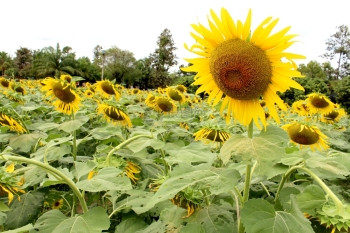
x,y
14,125
306,136
64,98
319,103
164,105
107,89
114,115
243,67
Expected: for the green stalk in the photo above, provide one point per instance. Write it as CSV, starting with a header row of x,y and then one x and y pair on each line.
x,y
75,148
335,199
121,145
53,171
164,162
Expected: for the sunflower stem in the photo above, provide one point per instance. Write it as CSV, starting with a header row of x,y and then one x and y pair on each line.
x,y
53,171
75,149
121,145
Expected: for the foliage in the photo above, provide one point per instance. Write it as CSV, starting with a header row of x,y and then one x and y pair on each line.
x,y
342,90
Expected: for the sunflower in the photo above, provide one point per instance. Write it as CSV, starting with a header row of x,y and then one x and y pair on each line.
x,y
4,82
66,77
10,122
190,198
88,94
164,105
334,116
300,107
306,136
319,103
211,135
175,94
243,67
65,99
184,125
135,91
106,89
181,88
9,184
150,100
114,115
57,204
131,169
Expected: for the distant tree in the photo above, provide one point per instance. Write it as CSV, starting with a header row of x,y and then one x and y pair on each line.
x,y
144,73
54,61
23,62
87,70
97,54
342,90
163,59
5,62
338,47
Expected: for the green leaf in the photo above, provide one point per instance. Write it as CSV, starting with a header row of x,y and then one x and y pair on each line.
x,y
23,229
83,168
107,179
24,210
105,132
70,126
52,153
186,176
141,143
3,217
25,142
33,175
311,198
94,221
193,228
131,225
267,146
173,217
43,126
155,227
259,216
214,219
3,207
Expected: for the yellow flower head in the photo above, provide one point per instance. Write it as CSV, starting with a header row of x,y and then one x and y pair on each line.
x,y
88,94
300,107
241,66
211,135
57,204
4,82
181,88
114,115
175,94
131,169
334,116
150,100
164,105
107,89
14,125
64,98
306,136
66,77
319,103
10,184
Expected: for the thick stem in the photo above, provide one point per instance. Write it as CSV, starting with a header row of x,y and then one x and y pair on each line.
x,y
121,145
75,148
55,172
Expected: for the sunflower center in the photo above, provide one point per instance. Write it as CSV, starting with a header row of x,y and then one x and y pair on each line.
x,y
332,115
240,69
5,83
114,114
303,137
319,102
106,87
63,93
214,135
164,105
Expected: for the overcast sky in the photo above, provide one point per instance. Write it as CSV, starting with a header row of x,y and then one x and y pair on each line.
x,y
135,25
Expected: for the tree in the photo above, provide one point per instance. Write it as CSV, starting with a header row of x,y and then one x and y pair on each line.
x,y
163,59
87,70
54,61
5,62
23,61
338,47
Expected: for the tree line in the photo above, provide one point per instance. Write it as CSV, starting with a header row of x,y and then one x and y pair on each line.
x,y
331,78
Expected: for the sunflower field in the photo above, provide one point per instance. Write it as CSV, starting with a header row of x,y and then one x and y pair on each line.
x,y
98,157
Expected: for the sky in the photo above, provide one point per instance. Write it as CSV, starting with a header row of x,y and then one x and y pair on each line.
x,y
135,25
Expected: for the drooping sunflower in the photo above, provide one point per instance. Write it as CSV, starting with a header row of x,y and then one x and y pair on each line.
x,y
181,88
300,107
305,135
209,134
107,90
12,123
131,169
114,115
4,82
66,77
241,67
319,103
64,97
10,184
150,99
164,105
334,116
175,94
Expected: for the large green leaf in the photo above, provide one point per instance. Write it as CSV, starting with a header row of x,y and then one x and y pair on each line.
x,y
83,168
105,132
24,210
94,221
70,126
214,219
311,198
222,180
259,216
107,179
25,142
23,229
131,225
142,142
267,146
